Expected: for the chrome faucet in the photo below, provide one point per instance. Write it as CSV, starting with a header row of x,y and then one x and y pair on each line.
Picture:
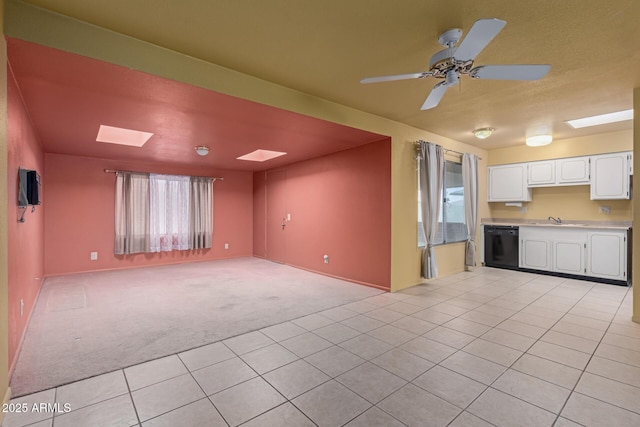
x,y
557,220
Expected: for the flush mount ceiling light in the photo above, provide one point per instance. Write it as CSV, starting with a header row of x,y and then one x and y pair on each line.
x,y
483,133
202,150
539,140
122,136
602,119
261,155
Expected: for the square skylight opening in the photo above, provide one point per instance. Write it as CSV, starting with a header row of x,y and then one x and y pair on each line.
x,y
122,136
601,119
261,155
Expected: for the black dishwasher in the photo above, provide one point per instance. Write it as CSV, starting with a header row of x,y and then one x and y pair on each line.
x,y
501,246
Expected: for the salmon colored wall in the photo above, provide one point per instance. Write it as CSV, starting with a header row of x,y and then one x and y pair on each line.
x,y
37,25
26,240
340,205
259,211
79,217
5,391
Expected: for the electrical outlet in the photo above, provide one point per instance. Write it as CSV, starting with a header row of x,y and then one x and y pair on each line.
x,y
226,246
94,256
326,259
605,210
21,307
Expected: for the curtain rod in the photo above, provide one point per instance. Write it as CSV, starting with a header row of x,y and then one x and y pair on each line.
x,y
214,178
447,150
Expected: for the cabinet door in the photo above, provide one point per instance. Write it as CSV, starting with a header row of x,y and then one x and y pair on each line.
x,y
508,183
572,171
610,177
541,173
607,254
568,257
535,254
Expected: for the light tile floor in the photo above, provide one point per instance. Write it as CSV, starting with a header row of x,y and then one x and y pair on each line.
x,y
480,348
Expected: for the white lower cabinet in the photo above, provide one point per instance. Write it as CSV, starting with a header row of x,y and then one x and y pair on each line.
x,y
568,256
607,254
535,253
577,251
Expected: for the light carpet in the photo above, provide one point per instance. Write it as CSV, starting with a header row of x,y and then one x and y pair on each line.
x,y
92,323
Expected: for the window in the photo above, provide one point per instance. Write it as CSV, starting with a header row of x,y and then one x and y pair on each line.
x,y
155,213
169,213
451,225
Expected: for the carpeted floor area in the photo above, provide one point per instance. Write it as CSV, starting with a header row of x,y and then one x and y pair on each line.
x,y
91,323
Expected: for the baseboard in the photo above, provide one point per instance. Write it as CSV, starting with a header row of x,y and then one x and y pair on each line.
x,y
7,398
346,279
14,362
129,267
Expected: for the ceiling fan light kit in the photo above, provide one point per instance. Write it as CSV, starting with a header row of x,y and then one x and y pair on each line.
x,y
451,62
483,133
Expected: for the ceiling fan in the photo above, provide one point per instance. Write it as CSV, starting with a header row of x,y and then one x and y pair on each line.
x,y
450,63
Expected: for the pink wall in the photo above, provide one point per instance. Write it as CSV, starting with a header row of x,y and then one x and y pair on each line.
x,y
340,205
25,240
79,217
259,200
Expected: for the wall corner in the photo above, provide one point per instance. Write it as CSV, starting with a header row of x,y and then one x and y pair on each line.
x,y
636,205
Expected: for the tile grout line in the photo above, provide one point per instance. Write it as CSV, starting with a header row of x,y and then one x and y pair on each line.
x,y
587,365
133,403
523,353
203,391
509,367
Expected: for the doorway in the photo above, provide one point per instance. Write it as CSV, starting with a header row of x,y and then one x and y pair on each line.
x,y
276,216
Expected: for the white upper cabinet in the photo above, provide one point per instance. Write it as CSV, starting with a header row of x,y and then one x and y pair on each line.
x,y
508,183
542,173
610,176
572,171
551,173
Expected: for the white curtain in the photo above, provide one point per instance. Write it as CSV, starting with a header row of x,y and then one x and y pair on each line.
x,y
470,183
431,173
201,213
131,213
169,212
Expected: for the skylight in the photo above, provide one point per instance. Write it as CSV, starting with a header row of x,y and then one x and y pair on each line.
x,y
261,155
114,135
602,119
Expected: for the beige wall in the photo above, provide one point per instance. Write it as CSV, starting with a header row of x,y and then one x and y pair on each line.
x,y
635,267
4,313
568,203
40,26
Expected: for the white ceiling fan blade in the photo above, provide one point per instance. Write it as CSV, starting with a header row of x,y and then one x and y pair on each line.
x,y
510,72
478,37
396,77
435,96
